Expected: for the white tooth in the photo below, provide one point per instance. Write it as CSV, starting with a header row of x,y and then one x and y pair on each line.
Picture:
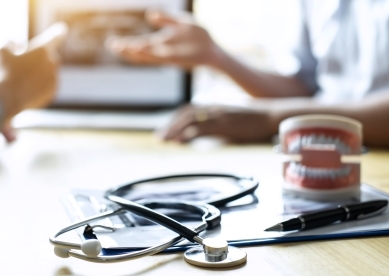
x,y
328,173
347,149
298,169
311,139
308,173
304,140
303,171
344,148
337,143
298,143
296,149
339,147
291,146
330,141
333,175
315,174
321,139
294,146
315,140
319,173
292,167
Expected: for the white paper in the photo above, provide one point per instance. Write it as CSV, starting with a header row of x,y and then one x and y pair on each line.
x,y
247,222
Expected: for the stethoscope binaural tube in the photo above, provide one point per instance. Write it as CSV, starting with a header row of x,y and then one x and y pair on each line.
x,y
92,248
156,217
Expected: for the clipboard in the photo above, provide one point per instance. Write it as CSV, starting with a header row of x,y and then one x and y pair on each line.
x,y
243,221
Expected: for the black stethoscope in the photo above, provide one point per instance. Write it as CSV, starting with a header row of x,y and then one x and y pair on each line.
x,y
212,252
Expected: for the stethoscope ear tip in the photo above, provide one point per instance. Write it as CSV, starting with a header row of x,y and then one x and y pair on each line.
x,y
91,248
61,252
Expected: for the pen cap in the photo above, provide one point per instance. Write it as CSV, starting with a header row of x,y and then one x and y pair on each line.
x,y
319,145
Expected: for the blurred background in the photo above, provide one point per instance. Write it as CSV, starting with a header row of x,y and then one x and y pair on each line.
x,y
91,77
13,21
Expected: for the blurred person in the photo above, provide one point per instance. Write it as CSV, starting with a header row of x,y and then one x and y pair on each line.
x,y
337,64
28,77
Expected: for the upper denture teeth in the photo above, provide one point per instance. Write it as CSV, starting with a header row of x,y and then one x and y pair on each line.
x,y
312,139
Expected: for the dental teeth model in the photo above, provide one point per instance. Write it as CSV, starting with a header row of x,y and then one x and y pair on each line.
x,y
316,145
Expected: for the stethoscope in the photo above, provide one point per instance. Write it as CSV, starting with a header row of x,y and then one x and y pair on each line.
x,y
211,252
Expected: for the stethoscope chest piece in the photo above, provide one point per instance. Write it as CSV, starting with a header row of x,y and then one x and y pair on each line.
x,y
215,253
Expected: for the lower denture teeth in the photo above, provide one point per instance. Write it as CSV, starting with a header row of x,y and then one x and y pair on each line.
x,y
318,173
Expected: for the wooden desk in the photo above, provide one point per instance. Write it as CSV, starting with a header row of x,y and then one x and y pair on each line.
x,y
43,165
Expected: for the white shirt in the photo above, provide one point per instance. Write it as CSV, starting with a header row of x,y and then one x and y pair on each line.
x,y
341,49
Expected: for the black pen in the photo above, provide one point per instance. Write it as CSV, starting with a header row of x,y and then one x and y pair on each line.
x,y
341,213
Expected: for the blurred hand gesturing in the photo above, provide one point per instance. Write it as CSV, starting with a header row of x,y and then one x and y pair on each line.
x,y
179,41
28,79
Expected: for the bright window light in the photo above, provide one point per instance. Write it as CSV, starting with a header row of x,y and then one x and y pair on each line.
x,y
13,21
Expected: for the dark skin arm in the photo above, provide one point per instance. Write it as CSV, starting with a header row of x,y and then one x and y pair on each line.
x,y
257,83
181,42
187,45
259,120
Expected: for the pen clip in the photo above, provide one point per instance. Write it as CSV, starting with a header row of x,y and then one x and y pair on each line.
x,y
372,214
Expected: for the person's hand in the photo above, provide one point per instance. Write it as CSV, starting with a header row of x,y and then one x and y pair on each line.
x,y
179,42
233,124
28,78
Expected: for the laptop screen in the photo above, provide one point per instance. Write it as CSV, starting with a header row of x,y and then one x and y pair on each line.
x,y
90,75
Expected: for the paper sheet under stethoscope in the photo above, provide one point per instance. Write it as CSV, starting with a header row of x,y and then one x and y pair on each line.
x,y
243,221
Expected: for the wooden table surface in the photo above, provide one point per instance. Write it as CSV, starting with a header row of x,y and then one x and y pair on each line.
x,y
43,165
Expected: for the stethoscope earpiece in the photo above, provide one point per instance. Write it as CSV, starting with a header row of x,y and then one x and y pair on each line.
x,y
61,252
91,248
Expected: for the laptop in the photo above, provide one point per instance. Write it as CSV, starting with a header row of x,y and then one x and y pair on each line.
x,y
98,89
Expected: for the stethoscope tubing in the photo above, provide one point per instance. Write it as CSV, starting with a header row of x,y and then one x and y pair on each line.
x,y
154,216
128,256
116,258
119,191
184,232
